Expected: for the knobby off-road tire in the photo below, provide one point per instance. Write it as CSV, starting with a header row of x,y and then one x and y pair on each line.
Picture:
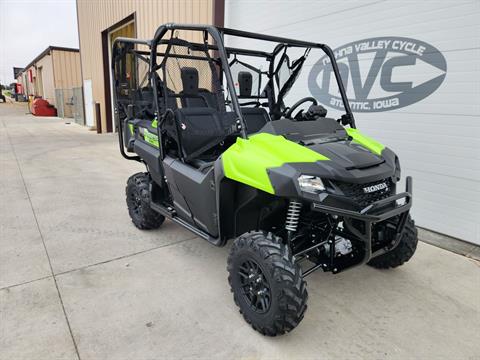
x,y
138,203
284,292
402,253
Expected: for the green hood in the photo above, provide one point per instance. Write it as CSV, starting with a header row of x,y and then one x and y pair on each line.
x,y
247,160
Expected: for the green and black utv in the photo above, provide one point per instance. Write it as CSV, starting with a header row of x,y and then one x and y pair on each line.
x,y
225,158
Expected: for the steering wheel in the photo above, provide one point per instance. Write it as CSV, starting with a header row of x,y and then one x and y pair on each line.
x,y
289,112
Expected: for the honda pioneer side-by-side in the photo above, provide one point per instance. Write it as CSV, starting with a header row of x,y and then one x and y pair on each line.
x,y
232,153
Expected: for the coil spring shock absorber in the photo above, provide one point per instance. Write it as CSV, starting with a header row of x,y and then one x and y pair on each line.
x,y
293,216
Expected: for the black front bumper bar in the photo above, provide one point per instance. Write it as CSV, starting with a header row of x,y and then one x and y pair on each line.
x,y
378,211
368,213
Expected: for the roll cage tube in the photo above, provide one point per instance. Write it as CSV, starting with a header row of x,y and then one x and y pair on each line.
x,y
218,38
300,43
118,124
218,33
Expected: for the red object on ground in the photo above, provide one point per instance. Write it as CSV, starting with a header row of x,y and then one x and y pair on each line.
x,y
41,107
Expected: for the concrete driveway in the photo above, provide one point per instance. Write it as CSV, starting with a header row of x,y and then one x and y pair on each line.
x,y
79,281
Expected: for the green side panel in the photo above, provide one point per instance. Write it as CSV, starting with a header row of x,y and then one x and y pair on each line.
x,y
150,138
131,127
247,160
365,141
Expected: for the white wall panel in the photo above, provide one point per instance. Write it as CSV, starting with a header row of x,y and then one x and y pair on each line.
x,y
436,138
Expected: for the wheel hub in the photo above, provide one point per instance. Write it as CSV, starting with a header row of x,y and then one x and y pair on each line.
x,y
255,286
136,202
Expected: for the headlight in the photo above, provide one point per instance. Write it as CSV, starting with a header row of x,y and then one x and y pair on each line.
x,y
311,184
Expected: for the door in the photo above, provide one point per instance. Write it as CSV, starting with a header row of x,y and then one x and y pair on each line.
x,y
126,28
87,89
40,82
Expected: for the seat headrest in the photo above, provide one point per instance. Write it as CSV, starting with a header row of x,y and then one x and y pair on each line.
x,y
189,80
245,83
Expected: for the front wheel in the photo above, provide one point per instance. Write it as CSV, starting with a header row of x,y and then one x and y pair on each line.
x,y
403,252
267,284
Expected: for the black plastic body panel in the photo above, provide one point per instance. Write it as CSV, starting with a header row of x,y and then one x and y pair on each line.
x,y
151,157
193,194
242,208
304,130
127,136
284,178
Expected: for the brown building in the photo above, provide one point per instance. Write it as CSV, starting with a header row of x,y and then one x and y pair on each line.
x,y
54,69
100,22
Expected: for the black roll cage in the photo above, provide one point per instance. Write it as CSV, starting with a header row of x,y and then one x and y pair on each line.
x,y
217,34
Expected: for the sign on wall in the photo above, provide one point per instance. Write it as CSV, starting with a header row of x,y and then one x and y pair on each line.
x,y
400,72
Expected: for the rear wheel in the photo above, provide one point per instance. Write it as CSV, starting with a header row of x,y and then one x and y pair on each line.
x,y
403,252
266,283
138,203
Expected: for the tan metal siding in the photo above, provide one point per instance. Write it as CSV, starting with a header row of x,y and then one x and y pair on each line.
x,y
66,65
97,16
60,70
47,78
27,86
32,88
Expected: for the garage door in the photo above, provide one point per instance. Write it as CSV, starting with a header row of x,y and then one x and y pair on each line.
x,y
412,71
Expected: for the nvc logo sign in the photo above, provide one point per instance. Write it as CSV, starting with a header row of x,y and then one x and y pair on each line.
x,y
380,74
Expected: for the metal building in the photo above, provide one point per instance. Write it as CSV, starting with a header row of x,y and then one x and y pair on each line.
x,y
100,22
55,70
55,75
412,75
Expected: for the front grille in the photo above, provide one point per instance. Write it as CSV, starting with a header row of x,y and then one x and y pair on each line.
x,y
356,192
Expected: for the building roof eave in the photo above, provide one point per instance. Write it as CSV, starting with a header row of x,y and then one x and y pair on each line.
x,y
46,52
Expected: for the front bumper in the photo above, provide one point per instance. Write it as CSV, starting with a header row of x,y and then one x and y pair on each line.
x,y
381,210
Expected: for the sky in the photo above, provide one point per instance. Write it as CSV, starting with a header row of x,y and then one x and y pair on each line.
x,y
27,27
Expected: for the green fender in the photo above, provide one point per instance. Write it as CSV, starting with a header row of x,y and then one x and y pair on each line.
x,y
247,160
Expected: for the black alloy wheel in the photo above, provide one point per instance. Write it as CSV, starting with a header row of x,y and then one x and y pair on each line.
x,y
266,283
255,286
